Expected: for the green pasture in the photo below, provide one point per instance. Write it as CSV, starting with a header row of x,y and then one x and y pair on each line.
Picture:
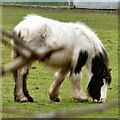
x,y
105,24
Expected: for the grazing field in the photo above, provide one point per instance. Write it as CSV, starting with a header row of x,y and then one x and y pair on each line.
x,y
105,24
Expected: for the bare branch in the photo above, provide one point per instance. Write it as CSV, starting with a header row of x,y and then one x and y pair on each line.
x,y
5,42
46,51
14,65
23,52
27,54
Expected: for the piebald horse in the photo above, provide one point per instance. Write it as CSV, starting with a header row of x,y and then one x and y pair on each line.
x,y
81,46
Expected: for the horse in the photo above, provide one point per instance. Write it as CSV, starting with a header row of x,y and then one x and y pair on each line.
x,y
81,47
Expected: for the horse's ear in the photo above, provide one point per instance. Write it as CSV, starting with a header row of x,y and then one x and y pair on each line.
x,y
110,70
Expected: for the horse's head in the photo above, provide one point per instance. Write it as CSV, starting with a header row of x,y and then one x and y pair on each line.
x,y
98,84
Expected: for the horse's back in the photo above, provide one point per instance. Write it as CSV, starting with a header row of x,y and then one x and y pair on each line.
x,y
38,31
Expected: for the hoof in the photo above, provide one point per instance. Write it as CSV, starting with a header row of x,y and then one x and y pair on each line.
x,y
84,100
21,100
81,99
55,99
30,99
102,100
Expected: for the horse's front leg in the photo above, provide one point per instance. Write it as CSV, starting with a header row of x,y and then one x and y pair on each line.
x,y
20,90
76,75
54,89
78,93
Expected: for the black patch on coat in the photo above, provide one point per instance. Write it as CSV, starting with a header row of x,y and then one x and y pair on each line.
x,y
82,58
99,63
100,71
19,34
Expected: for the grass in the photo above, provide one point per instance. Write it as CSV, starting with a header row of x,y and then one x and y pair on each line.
x,y
39,80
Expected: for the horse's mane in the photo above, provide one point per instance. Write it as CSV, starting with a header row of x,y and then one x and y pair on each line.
x,y
100,65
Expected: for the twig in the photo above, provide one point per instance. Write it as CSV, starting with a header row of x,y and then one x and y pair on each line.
x,y
23,52
5,42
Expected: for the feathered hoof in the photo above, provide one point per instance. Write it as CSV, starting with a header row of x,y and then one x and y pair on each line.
x,y
102,100
24,99
55,99
81,99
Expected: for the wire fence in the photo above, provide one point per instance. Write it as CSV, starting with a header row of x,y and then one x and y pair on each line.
x,y
28,54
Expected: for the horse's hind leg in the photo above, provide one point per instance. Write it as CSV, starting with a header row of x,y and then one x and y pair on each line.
x,y
54,89
26,93
20,91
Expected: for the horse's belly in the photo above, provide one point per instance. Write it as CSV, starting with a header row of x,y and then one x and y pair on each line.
x,y
59,59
